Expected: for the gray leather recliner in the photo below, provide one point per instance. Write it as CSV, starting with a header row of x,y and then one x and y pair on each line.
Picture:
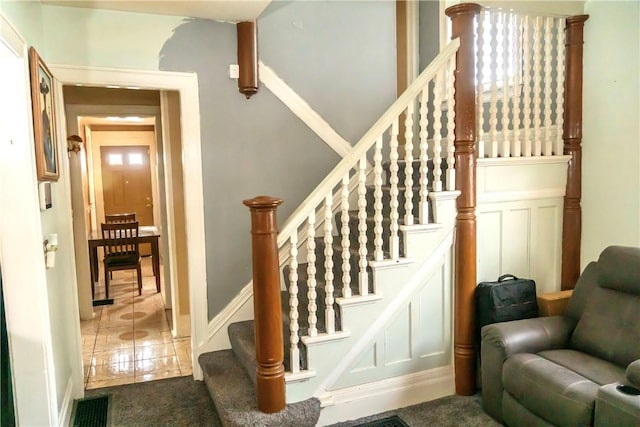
x,y
564,370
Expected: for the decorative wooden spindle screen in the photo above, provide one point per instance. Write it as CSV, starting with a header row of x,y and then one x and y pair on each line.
x,y
520,84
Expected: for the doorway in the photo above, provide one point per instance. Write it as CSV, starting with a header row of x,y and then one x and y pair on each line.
x,y
121,168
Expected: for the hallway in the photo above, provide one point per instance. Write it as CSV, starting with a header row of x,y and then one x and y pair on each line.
x,y
130,341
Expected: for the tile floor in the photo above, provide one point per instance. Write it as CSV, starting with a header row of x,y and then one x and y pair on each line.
x,y
130,341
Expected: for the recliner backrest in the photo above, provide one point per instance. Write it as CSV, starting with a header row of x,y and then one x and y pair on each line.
x,y
606,303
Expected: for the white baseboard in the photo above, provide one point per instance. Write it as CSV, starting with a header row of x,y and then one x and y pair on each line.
x,y
367,399
64,417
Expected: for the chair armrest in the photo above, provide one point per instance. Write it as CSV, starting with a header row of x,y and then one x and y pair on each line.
x,y
633,373
614,408
553,303
501,340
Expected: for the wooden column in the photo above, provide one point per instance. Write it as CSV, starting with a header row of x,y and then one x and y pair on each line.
x,y
462,18
572,136
247,57
266,304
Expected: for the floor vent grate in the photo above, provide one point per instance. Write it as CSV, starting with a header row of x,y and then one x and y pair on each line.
x,y
393,421
92,412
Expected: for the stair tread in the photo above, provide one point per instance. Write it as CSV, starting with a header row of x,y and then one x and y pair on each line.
x,y
242,337
234,396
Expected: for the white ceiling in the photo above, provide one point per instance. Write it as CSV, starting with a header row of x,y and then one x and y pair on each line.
x,y
221,10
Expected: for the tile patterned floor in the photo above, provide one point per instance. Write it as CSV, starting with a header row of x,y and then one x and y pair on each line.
x,y
130,341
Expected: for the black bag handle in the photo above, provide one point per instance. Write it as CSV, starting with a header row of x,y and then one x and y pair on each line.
x,y
507,277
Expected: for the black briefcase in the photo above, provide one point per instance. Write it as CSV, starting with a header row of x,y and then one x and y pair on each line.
x,y
510,298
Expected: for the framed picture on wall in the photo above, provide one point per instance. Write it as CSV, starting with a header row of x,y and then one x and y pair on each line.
x,y
42,100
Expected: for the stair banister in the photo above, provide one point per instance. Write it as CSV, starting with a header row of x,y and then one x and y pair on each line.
x,y
270,388
318,195
463,20
572,136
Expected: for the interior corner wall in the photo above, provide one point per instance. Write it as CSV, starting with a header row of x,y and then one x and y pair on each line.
x,y
339,56
611,128
26,17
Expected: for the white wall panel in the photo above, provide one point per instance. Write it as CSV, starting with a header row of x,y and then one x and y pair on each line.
x,y
417,338
521,238
516,239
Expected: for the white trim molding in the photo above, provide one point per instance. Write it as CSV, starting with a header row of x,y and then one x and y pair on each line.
x,y
187,85
64,417
302,110
384,395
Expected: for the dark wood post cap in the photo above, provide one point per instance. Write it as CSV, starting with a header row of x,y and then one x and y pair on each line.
x,y
262,202
462,8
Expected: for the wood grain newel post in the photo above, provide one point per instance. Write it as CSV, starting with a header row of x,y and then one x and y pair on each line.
x,y
463,18
266,304
572,136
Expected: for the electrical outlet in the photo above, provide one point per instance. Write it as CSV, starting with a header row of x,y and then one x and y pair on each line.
x,y
234,71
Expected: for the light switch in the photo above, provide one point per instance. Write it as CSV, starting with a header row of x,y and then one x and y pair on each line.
x,y
234,71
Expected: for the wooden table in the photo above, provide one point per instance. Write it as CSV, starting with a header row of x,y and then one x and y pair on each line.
x,y
146,234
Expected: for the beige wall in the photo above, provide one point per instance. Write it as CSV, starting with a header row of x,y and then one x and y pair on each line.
x,y
611,129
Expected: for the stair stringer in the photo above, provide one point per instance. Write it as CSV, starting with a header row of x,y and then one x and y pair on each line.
x,y
364,317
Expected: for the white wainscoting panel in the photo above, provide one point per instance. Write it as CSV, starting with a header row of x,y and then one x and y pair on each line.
x,y
521,238
519,214
417,338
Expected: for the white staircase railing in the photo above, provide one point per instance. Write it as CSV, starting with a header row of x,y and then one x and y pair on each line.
x,y
427,106
520,92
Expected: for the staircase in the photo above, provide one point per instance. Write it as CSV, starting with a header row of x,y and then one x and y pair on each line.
x,y
230,375
366,261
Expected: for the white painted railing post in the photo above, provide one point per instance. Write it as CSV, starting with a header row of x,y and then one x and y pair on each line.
x,y
408,166
377,204
294,352
346,242
394,240
329,313
423,211
363,277
311,274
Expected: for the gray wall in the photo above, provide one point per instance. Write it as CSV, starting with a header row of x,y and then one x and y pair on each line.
x,y
339,56
429,33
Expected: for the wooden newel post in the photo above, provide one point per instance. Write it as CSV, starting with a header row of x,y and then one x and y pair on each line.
x,y
266,303
572,136
462,19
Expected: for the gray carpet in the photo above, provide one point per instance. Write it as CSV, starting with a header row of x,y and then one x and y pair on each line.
x,y
172,402
450,411
185,402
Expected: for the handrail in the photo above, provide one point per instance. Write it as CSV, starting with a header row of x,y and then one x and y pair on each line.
x,y
365,143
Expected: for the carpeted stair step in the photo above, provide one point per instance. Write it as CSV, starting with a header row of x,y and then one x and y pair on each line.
x,y
354,233
243,345
233,394
416,171
386,201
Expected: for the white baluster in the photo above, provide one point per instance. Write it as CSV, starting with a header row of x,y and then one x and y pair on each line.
x,y
548,45
537,89
329,313
561,22
451,116
507,85
514,46
480,85
394,240
408,166
311,274
294,326
362,227
377,204
495,64
526,50
437,130
346,242
424,157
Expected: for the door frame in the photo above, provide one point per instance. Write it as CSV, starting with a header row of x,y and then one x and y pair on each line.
x,y
187,86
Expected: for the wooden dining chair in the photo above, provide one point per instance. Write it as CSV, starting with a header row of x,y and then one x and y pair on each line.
x,y
121,251
120,217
